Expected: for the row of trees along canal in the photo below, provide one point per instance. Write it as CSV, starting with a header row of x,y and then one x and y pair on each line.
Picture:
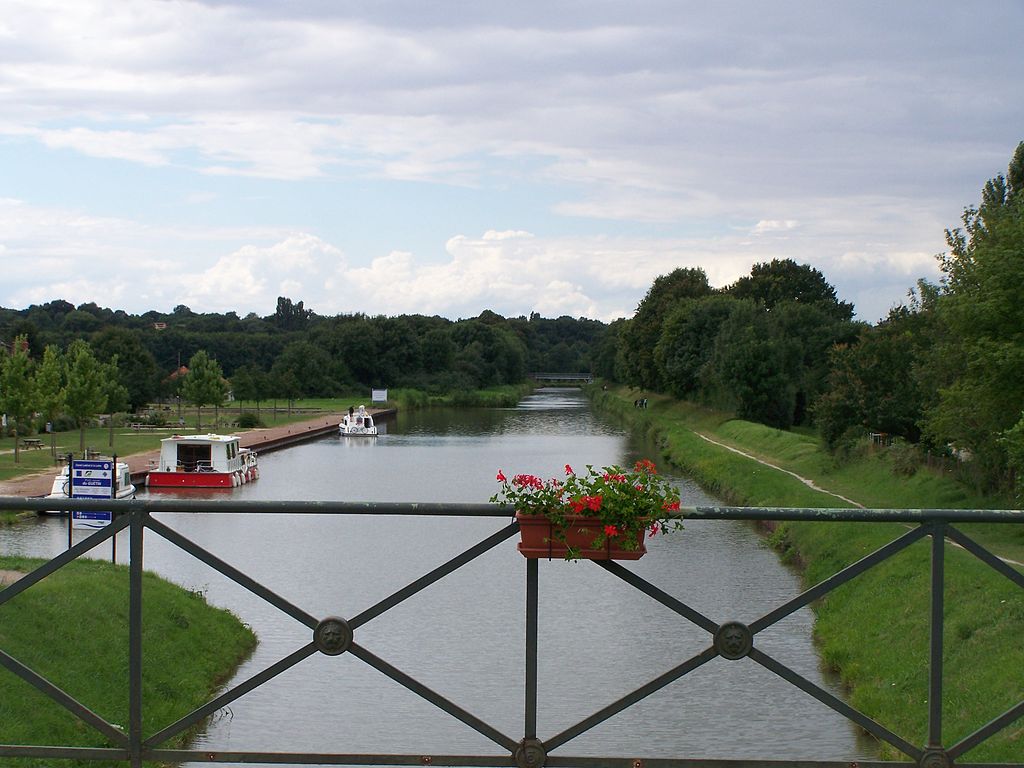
x,y
942,371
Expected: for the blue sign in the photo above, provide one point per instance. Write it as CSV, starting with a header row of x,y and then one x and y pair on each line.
x,y
91,479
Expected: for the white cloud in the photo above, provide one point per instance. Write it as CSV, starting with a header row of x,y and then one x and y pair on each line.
x,y
765,225
636,138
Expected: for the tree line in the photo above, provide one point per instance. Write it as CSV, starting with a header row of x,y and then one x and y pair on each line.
x,y
297,353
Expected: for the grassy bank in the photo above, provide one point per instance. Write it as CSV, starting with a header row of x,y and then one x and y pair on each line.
x,y
504,396
72,628
874,631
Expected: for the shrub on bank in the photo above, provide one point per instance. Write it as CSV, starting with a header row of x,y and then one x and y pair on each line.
x,y
249,420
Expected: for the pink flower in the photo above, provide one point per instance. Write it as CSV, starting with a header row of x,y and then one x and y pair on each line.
x,y
568,470
501,477
655,527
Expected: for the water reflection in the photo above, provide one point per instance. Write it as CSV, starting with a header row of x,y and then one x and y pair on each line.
x,y
463,637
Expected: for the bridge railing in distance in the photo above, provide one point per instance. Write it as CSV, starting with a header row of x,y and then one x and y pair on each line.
x,y
332,636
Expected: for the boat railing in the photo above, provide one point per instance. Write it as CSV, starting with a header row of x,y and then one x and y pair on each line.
x,y
195,466
949,552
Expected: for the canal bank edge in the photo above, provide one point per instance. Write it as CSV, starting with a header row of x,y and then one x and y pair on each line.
x,y
874,631
192,649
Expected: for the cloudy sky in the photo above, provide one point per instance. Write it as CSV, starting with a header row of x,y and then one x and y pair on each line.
x,y
443,157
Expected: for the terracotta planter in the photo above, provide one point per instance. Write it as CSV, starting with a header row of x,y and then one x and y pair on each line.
x,y
538,539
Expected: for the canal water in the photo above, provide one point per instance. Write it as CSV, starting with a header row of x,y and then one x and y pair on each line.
x,y
463,637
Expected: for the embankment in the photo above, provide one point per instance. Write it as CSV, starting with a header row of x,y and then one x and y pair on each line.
x,y
873,631
71,627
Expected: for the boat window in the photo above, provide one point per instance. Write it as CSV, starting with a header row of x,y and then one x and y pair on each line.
x,y
190,457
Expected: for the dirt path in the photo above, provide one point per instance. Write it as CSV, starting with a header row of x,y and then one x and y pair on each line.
x,y
815,487
810,484
9,577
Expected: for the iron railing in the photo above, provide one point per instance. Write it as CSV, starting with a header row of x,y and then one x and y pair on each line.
x,y
333,635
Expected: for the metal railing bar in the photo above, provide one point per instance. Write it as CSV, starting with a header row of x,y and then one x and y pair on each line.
x,y
670,762
838,579
65,557
433,697
229,506
304,758
831,701
989,729
69,703
74,753
449,761
662,597
232,573
435,575
935,638
880,515
227,697
985,556
630,699
485,761
138,520
532,595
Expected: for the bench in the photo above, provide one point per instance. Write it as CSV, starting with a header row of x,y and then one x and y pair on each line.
x,y
31,442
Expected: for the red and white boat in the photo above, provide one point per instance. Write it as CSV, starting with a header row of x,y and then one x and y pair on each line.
x,y
202,461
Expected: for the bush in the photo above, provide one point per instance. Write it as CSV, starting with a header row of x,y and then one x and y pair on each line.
x,y
906,458
852,444
249,420
60,424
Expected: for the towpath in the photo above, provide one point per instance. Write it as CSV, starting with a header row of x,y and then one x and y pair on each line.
x,y
810,484
38,484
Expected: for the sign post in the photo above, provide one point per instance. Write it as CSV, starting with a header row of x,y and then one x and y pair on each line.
x,y
91,479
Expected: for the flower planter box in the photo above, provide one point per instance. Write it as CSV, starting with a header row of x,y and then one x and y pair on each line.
x,y
538,539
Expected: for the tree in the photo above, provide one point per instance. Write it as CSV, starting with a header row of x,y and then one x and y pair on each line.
x,y
782,280
87,387
872,387
687,341
116,394
18,390
981,351
289,317
51,382
642,332
203,384
244,386
136,367
753,368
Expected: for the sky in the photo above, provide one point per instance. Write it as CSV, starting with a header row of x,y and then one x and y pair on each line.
x,y
445,158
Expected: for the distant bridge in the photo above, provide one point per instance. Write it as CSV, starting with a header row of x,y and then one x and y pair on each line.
x,y
584,377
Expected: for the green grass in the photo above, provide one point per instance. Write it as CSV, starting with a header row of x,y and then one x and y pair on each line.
x,y
72,627
874,631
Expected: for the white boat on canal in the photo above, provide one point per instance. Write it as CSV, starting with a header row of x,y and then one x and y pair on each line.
x,y
357,422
